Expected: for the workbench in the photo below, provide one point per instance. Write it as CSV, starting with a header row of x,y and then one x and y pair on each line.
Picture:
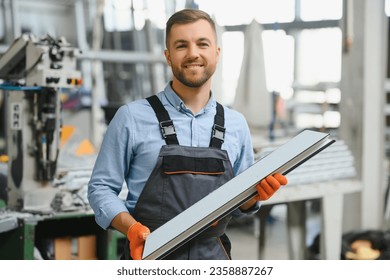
x,y
331,196
22,233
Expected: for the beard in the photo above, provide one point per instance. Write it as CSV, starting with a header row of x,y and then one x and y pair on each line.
x,y
190,80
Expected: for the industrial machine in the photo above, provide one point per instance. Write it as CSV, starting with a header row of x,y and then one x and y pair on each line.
x,y
34,72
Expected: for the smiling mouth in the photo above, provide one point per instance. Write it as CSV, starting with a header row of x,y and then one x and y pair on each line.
x,y
193,66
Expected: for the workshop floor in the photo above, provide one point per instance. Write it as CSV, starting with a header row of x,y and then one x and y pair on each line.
x,y
244,237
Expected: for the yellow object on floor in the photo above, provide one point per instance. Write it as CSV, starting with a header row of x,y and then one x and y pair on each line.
x,y
85,148
66,132
3,158
362,250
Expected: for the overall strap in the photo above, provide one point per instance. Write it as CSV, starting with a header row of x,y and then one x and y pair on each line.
x,y
166,125
218,132
168,129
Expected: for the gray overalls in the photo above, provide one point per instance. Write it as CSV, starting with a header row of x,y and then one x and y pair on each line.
x,y
182,176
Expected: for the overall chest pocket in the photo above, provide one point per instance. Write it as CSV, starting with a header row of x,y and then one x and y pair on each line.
x,y
186,180
192,165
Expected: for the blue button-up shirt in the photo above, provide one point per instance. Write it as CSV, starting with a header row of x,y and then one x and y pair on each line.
x,y
132,143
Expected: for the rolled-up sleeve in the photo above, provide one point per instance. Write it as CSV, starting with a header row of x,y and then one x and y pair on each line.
x,y
109,171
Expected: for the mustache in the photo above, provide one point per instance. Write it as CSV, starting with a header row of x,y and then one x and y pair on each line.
x,y
193,61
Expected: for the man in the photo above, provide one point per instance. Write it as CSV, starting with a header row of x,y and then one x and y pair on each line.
x,y
174,148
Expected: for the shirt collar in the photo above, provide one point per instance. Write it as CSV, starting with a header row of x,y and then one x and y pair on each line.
x,y
176,101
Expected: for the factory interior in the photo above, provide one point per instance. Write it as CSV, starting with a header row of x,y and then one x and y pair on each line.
x,y
66,66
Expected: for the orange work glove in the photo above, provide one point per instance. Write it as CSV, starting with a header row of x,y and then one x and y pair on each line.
x,y
136,234
268,186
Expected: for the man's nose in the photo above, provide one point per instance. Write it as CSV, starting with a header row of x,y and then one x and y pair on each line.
x,y
193,51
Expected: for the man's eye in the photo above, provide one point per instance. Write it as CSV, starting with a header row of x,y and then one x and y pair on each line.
x,y
180,46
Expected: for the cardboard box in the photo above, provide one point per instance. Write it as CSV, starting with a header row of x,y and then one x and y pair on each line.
x,y
75,248
86,247
63,248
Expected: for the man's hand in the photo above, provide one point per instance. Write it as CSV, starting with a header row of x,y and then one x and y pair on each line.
x,y
136,235
268,186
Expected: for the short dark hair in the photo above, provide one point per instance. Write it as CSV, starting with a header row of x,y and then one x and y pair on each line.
x,y
186,16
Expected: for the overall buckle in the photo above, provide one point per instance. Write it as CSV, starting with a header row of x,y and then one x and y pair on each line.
x,y
219,132
167,128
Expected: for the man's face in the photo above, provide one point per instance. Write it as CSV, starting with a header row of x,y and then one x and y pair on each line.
x,y
192,53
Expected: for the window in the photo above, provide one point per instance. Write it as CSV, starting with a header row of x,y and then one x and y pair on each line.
x,y
295,55
319,56
312,10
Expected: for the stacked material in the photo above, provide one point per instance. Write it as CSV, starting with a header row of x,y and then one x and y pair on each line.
x,y
334,163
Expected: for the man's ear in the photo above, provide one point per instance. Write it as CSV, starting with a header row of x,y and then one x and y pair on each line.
x,y
218,53
167,56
